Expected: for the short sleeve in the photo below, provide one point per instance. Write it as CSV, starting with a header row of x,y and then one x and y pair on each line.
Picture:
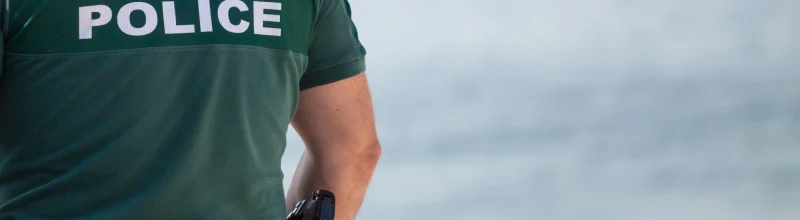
x,y
334,53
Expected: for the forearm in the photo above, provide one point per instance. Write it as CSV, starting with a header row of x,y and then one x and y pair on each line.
x,y
346,173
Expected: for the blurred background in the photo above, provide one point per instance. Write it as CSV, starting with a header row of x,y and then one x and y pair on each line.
x,y
577,109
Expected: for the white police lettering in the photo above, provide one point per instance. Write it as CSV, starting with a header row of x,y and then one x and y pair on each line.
x,y
92,17
259,17
205,16
86,22
222,14
150,19
171,21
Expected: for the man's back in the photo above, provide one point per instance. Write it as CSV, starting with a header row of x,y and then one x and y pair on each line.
x,y
156,109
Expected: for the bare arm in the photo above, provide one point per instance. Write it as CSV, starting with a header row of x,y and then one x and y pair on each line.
x,y
337,126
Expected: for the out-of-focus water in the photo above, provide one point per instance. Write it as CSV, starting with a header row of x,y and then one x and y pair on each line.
x,y
617,110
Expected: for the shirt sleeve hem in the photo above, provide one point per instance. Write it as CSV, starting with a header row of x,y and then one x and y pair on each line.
x,y
333,74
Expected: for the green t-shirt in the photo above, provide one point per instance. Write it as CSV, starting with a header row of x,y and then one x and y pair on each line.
x,y
150,109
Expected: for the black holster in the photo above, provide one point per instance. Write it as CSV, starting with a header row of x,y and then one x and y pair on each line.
x,y
320,206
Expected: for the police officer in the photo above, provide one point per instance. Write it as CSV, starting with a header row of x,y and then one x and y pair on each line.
x,y
152,109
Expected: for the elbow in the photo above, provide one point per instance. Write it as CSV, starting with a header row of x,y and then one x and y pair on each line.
x,y
372,152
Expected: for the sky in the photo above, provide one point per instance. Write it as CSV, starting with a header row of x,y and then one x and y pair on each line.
x,y
573,109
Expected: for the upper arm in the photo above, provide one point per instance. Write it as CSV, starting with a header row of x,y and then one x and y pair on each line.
x,y
337,116
335,107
